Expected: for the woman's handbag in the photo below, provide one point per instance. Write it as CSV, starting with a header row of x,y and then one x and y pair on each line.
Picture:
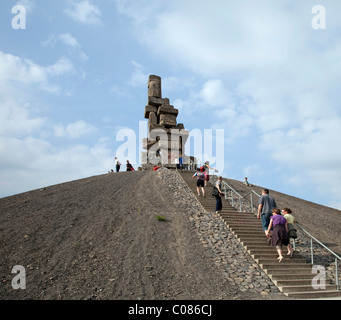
x,y
292,232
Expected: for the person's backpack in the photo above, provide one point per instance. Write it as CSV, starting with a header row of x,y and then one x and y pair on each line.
x,y
201,176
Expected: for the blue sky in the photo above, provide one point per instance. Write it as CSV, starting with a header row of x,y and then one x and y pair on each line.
x,y
78,74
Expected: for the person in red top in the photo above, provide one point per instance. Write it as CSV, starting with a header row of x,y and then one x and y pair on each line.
x,y
129,166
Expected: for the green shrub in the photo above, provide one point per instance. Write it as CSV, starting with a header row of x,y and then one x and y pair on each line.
x,y
160,218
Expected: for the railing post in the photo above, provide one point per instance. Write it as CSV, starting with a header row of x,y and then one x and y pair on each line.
x,y
251,202
337,276
311,251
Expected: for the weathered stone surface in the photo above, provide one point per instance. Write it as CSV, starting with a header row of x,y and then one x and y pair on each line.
x,y
154,86
158,133
156,102
152,121
167,110
152,118
149,109
168,120
147,144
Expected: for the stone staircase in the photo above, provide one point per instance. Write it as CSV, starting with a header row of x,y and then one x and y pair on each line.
x,y
293,276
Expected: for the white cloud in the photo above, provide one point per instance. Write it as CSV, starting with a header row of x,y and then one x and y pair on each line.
x,y
176,83
139,77
84,11
51,41
31,163
73,43
271,75
30,153
215,94
18,78
74,130
15,119
62,66
69,40
25,72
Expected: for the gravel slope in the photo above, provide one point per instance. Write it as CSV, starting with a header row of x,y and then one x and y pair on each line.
x,y
98,238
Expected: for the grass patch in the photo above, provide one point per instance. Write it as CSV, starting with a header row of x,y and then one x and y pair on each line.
x,y
160,218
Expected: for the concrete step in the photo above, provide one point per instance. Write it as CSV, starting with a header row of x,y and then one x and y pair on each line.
x,y
314,294
285,265
241,234
268,255
267,250
306,288
295,282
250,236
284,261
249,231
256,235
243,224
289,276
240,219
234,213
281,271
253,248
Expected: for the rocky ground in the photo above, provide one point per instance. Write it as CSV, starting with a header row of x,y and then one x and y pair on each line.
x,y
100,238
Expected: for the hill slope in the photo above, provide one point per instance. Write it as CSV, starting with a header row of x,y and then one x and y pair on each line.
x,y
98,238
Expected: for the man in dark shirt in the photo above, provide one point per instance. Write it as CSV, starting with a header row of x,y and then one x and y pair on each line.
x,y
265,205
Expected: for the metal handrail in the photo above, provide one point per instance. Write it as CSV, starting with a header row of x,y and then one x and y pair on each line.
x,y
319,242
309,235
233,191
240,196
324,246
250,193
311,246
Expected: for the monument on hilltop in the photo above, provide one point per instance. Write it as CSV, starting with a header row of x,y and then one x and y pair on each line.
x,y
166,138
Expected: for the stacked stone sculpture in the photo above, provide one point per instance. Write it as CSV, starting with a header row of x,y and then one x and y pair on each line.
x,y
166,138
